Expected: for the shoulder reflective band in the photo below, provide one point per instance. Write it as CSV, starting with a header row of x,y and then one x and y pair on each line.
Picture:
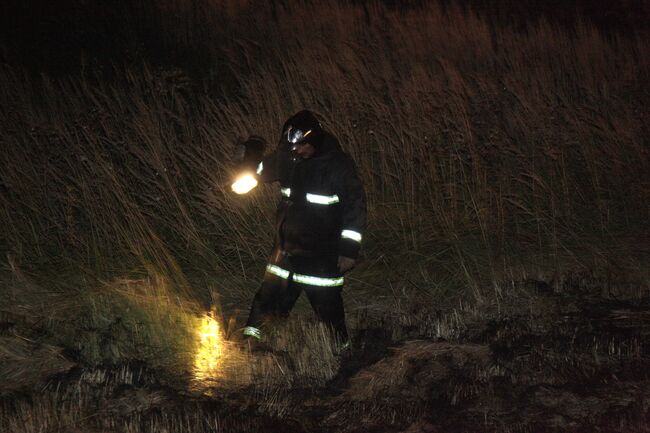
x,y
285,192
305,279
252,331
351,234
276,270
260,167
322,199
318,281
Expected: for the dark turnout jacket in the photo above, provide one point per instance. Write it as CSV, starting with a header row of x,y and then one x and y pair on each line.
x,y
322,211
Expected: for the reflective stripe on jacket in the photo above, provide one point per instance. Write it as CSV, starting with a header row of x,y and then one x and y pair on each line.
x,y
322,208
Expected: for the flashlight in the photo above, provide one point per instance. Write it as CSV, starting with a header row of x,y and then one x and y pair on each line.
x,y
244,183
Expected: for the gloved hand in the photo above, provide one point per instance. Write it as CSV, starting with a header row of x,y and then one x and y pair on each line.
x,y
345,264
250,151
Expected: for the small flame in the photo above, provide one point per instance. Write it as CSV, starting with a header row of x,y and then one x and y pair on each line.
x,y
244,184
207,361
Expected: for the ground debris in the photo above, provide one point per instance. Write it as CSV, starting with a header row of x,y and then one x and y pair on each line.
x,y
578,369
414,368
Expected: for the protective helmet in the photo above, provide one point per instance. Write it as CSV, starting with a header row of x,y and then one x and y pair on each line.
x,y
302,127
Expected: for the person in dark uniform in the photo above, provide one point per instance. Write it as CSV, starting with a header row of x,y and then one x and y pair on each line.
x,y
320,222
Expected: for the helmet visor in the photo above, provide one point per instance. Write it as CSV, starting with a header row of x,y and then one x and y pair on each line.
x,y
296,135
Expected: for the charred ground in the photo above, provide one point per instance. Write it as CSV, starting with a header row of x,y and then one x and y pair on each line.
x,y
560,361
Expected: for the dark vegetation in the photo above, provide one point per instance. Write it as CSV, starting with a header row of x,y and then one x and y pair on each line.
x,y
62,37
504,283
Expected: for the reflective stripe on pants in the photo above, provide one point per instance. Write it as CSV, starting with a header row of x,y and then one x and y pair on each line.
x,y
281,288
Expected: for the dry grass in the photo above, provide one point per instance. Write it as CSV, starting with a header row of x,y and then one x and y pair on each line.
x,y
499,152
26,365
301,356
126,400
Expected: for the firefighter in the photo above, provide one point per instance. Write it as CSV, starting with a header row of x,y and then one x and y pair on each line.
x,y
320,221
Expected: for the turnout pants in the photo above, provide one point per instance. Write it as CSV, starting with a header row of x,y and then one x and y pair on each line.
x,y
285,278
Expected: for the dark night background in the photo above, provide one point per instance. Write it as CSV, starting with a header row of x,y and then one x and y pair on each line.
x,y
503,284
59,36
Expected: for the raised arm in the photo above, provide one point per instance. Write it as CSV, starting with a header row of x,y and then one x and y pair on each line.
x,y
268,167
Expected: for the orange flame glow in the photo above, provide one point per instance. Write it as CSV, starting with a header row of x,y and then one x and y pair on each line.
x,y
207,361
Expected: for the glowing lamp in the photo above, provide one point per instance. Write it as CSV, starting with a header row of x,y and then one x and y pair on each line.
x,y
244,183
